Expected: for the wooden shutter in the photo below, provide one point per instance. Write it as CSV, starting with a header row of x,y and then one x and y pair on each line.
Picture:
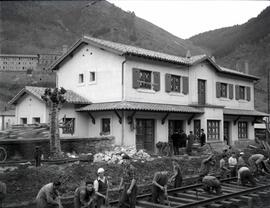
x,y
156,81
237,92
231,91
248,93
167,82
185,85
218,89
135,78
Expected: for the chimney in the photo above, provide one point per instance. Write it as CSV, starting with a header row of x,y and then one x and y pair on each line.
x,y
237,66
188,54
246,67
213,58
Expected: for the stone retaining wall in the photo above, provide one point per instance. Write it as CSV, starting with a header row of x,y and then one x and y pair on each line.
x,y
24,148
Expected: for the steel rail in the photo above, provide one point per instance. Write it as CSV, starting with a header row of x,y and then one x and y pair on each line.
x,y
184,188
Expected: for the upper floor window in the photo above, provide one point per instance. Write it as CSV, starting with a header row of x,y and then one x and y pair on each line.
x,y
175,83
36,120
81,78
92,77
242,130
23,120
242,93
224,90
146,79
213,130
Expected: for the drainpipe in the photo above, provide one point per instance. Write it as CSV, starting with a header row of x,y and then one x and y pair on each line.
x,y
122,99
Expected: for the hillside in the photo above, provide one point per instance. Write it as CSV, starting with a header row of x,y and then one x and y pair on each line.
x,y
31,27
250,42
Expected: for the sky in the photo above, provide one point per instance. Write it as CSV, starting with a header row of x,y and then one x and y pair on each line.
x,y
187,18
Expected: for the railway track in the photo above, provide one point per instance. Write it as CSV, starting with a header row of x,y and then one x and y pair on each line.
x,y
233,195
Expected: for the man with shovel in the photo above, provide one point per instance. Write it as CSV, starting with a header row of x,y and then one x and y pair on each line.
x,y
101,186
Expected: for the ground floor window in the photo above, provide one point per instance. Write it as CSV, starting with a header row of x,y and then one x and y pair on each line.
x,y
242,130
213,130
105,126
36,120
23,120
69,125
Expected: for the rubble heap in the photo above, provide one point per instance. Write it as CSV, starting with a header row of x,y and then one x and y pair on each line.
x,y
114,156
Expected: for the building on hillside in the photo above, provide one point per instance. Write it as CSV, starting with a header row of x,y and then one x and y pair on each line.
x,y
45,60
7,119
18,62
141,96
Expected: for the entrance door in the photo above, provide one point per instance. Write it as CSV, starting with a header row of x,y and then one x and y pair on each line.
x,y
173,126
226,132
145,134
201,91
197,128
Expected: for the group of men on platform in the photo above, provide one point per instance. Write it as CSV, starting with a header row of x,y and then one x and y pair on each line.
x,y
180,139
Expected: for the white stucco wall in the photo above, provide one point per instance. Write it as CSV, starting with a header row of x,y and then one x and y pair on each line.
x,y
108,68
161,96
203,71
30,107
81,121
7,120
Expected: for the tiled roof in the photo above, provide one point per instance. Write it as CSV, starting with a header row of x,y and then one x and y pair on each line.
x,y
70,96
7,113
128,105
19,55
240,112
123,49
231,71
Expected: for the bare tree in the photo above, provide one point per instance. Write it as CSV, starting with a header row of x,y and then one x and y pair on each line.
x,y
55,99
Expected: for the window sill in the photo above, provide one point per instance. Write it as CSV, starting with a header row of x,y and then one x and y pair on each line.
x,y
242,101
224,99
92,83
81,84
146,91
176,94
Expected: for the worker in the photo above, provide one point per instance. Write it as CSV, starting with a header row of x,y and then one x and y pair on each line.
x,y
211,184
245,176
254,162
84,196
175,141
48,196
128,184
222,166
177,175
202,138
37,156
3,192
190,141
233,164
241,162
159,187
206,165
101,186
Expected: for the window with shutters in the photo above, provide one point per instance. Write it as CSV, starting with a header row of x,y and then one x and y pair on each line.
x,y
223,90
242,130
175,83
242,93
213,130
105,126
145,79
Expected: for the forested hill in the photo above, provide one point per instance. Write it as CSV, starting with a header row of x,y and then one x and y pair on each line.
x,y
249,42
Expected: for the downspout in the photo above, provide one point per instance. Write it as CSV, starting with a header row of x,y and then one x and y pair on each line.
x,y
122,99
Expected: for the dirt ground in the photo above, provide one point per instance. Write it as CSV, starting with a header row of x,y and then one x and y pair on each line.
x,y
24,182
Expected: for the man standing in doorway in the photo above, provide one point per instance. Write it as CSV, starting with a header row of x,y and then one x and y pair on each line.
x,y
202,138
175,140
190,141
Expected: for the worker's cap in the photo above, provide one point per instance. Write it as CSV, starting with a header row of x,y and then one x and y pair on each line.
x,y
125,157
100,170
241,153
